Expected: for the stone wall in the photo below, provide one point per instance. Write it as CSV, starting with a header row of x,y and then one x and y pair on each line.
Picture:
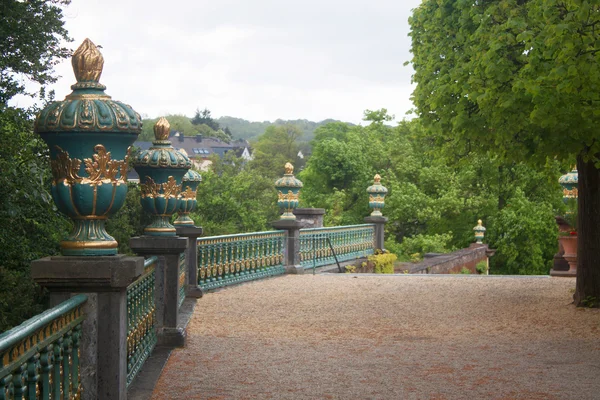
x,y
453,262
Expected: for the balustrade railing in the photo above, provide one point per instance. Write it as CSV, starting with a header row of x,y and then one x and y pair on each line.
x,y
182,278
230,259
349,242
141,321
39,359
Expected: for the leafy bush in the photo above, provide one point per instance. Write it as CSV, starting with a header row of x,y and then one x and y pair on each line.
x,y
383,262
481,267
421,244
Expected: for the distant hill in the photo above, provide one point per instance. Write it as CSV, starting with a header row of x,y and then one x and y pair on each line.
x,y
243,129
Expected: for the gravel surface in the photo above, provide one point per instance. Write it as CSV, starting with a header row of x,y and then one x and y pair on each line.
x,y
388,337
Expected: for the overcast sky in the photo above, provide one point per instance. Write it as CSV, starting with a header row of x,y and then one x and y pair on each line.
x,y
257,60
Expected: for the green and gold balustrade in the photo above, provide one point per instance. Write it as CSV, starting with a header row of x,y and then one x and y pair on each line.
x,y
39,359
349,242
161,169
89,136
141,319
288,191
230,259
187,198
377,194
182,278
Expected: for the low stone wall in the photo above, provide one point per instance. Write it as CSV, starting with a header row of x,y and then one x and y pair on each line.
x,y
453,262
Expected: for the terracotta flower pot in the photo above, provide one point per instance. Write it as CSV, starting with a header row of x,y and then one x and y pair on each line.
x,y
569,244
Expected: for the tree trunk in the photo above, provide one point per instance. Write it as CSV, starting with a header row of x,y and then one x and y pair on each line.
x,y
587,292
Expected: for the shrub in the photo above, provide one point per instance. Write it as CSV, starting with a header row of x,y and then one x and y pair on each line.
x,y
481,267
421,244
383,262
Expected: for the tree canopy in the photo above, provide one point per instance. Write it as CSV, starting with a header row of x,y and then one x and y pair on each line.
x,y
518,77
32,33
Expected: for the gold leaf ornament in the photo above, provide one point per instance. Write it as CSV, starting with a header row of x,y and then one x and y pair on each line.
x,y
87,62
65,168
162,128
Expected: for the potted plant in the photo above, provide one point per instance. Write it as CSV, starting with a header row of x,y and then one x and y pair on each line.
x,y
568,234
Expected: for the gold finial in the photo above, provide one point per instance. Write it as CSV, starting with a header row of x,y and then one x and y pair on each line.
x,y
87,62
289,168
377,178
162,128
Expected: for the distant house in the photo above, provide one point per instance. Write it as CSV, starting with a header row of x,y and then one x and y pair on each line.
x,y
197,148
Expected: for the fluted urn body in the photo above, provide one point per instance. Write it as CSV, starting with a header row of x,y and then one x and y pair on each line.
x,y
187,199
288,189
377,194
89,136
569,182
161,169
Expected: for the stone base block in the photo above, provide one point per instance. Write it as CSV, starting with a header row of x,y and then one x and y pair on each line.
x,y
171,337
87,274
294,269
563,274
193,291
188,230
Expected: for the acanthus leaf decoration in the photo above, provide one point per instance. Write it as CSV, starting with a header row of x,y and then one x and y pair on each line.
x,y
149,188
188,193
65,168
171,188
102,168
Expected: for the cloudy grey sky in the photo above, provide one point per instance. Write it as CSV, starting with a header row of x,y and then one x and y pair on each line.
x,y
258,60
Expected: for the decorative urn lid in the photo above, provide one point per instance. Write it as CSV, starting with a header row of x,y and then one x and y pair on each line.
x,y
569,183
288,180
192,176
162,154
377,187
88,108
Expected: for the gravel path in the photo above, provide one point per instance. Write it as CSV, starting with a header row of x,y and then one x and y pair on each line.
x,y
388,337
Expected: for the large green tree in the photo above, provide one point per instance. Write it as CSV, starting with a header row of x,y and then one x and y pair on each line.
x,y
521,78
31,43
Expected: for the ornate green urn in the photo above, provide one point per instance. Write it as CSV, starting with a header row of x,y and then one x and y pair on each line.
x,y
187,199
377,194
479,232
89,136
288,189
161,169
569,183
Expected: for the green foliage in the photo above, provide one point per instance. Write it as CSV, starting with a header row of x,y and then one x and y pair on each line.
x,y
31,226
465,271
519,78
184,125
383,262
243,129
31,32
481,267
516,233
274,148
234,198
203,118
421,244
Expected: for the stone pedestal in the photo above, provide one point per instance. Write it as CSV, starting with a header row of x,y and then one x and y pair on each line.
x,y
379,230
310,217
167,249
192,233
104,341
292,244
